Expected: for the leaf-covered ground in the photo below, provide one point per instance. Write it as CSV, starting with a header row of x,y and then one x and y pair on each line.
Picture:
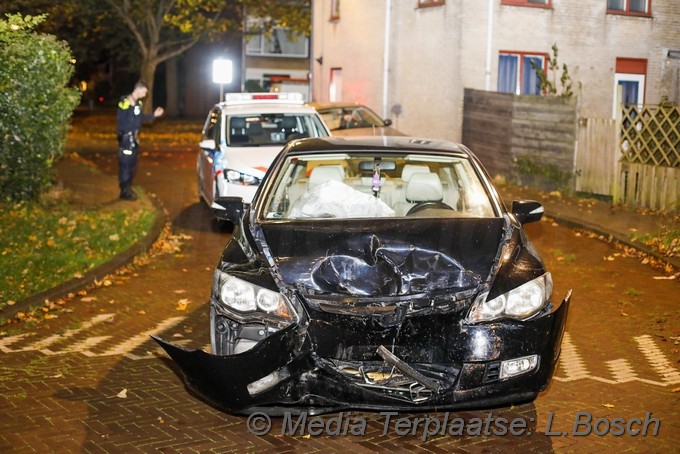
x,y
43,246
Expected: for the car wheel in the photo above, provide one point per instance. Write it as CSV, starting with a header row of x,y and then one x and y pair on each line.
x,y
199,183
201,199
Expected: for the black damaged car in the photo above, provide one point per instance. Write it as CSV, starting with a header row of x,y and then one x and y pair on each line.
x,y
377,273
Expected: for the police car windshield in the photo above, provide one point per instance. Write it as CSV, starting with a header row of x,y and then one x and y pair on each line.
x,y
271,129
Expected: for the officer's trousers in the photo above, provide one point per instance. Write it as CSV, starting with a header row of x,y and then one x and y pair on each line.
x,y
127,161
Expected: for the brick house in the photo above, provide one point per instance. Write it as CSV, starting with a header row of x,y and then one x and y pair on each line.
x,y
411,60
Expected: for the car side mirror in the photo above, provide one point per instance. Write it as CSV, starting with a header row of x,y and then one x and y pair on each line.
x,y
387,122
208,144
527,211
232,209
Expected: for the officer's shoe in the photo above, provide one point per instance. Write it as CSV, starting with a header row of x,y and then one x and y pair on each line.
x,y
128,194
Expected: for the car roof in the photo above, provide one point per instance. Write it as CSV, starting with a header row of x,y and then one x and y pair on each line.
x,y
264,107
331,105
335,144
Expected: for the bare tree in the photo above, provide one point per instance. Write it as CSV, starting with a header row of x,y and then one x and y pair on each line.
x,y
164,29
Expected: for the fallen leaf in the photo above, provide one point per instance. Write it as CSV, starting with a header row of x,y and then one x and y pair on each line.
x,y
160,420
114,237
665,277
624,314
182,304
122,394
180,292
88,299
608,405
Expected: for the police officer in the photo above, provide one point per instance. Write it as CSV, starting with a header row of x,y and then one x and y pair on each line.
x,y
130,119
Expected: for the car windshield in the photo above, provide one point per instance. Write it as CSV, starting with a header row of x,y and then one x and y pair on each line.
x,y
271,129
362,185
350,117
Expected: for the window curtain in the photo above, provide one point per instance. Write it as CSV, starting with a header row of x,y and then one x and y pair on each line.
x,y
618,5
530,82
629,93
638,6
507,73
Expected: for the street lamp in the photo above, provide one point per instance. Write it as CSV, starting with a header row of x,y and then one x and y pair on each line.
x,y
222,73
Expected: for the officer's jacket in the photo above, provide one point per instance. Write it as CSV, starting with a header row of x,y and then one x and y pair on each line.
x,y
130,116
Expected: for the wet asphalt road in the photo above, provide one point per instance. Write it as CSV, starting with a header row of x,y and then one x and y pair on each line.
x,y
92,381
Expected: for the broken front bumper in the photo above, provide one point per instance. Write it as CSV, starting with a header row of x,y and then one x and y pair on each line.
x,y
277,376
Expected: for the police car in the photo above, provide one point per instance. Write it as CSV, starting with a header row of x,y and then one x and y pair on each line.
x,y
241,137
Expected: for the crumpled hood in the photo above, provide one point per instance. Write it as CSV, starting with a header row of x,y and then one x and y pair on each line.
x,y
378,258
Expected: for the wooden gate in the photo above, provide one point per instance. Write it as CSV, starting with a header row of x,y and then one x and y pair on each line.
x,y
596,155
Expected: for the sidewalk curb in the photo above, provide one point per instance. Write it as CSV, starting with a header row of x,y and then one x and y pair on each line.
x,y
577,224
76,284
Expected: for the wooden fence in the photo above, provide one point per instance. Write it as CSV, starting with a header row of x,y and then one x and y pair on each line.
x,y
648,171
596,156
528,139
537,141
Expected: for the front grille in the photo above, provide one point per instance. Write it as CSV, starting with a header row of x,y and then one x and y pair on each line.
x,y
381,377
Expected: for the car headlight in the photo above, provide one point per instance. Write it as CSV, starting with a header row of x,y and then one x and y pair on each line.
x,y
247,301
234,176
519,303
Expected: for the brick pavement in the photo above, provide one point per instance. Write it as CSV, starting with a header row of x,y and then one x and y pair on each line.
x,y
59,399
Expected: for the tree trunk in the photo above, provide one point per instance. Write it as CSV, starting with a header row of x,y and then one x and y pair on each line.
x,y
148,73
172,106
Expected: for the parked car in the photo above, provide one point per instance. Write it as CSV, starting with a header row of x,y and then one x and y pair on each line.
x,y
347,119
377,273
241,137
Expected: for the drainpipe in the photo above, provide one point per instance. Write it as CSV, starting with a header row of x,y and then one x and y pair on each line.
x,y
386,57
489,36
311,53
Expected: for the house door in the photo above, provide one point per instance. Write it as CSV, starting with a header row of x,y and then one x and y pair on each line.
x,y
335,86
630,76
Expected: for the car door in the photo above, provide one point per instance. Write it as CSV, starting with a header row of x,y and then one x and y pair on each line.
x,y
210,142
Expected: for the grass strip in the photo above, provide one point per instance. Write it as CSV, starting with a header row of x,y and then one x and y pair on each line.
x,y
44,246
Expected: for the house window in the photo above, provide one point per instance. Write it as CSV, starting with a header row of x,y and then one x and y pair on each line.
x,y
630,7
335,9
279,44
535,3
426,3
517,75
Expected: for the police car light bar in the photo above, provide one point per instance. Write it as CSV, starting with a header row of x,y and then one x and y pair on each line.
x,y
247,98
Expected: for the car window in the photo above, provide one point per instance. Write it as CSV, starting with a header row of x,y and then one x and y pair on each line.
x,y
271,129
359,185
211,126
350,117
